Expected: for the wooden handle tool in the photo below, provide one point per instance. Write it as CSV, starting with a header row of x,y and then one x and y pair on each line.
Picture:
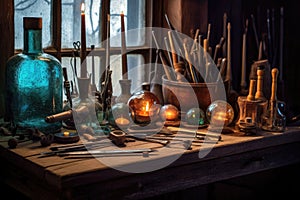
x,y
251,95
274,84
259,95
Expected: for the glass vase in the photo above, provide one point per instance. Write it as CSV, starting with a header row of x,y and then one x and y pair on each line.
x,y
34,83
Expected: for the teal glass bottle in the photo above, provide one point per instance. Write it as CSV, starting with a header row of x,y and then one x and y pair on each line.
x,y
34,82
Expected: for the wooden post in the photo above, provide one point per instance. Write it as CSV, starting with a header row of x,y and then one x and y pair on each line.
x,y
6,48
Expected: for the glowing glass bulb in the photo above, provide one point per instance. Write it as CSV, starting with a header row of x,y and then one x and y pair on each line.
x,y
120,115
195,116
169,112
220,113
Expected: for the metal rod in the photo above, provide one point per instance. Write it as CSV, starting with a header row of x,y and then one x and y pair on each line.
x,y
105,152
193,131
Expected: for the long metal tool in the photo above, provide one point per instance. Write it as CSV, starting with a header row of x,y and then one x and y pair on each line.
x,y
105,152
198,132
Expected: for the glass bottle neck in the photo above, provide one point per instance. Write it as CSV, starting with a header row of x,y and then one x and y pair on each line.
x,y
32,41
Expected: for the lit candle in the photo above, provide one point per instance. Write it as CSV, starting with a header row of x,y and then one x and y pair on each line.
x,y
108,42
145,110
123,48
66,133
121,121
83,44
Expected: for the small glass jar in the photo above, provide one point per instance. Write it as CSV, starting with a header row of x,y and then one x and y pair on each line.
x,y
120,116
145,105
86,108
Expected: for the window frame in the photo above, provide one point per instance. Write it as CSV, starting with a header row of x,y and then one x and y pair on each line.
x,y
56,50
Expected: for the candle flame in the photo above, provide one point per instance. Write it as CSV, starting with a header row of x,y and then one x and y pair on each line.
x,y
147,106
82,7
66,133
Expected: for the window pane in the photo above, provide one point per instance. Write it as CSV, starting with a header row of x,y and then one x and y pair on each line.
x,y
136,72
134,11
73,68
71,22
32,8
134,18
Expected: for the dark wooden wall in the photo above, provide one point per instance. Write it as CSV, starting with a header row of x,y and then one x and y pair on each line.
x,y
195,14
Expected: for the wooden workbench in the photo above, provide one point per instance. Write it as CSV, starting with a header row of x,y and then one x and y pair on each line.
x,y
56,177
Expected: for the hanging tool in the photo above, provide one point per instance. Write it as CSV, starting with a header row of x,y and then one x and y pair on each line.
x,y
67,87
93,84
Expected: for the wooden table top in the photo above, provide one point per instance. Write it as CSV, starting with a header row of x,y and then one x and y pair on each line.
x,y
63,172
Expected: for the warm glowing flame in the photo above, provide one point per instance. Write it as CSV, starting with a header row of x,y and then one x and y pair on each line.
x,y
66,133
147,106
82,7
122,121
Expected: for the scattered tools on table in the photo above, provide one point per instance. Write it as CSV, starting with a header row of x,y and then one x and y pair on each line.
x,y
5,131
105,152
30,134
13,142
67,87
118,137
54,150
195,131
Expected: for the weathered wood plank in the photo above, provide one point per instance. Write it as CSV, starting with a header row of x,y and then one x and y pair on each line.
x,y
234,155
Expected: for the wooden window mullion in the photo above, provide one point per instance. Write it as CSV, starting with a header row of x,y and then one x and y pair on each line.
x,y
56,26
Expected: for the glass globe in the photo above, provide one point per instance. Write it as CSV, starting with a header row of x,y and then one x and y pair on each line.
x,y
195,116
145,106
120,115
219,113
169,112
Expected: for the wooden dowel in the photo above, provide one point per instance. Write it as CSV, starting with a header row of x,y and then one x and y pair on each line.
x,y
260,51
187,57
259,95
195,41
161,58
224,34
201,64
208,33
169,53
228,72
174,55
222,69
274,84
243,75
251,94
205,48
